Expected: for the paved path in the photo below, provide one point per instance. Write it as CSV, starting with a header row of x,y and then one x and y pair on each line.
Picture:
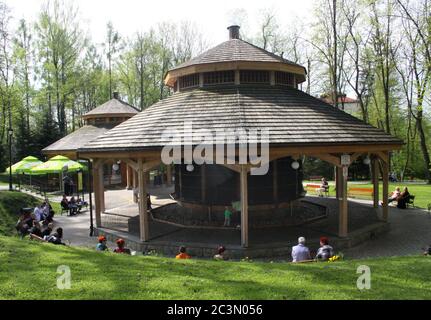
x,y
410,229
410,232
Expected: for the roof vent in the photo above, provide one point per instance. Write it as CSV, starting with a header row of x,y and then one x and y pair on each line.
x,y
116,95
233,32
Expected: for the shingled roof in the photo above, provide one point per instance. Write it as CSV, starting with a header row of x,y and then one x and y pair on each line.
x,y
113,106
292,116
235,50
78,138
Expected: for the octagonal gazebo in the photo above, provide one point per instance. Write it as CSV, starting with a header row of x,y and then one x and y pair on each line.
x,y
238,86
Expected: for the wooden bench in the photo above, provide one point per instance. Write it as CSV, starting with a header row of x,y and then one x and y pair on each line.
x,y
356,191
305,261
316,178
316,188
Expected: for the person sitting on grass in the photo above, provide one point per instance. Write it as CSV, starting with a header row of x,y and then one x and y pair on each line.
x,y
300,252
325,251
183,254
38,213
35,229
48,212
56,237
403,199
101,246
24,223
227,217
121,247
220,256
48,230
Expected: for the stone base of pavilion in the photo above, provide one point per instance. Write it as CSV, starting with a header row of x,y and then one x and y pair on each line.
x,y
264,242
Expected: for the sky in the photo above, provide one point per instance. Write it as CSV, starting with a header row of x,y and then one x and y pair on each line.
x,y
130,16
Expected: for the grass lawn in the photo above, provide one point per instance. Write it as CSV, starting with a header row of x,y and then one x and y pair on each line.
x,y
421,191
10,203
29,271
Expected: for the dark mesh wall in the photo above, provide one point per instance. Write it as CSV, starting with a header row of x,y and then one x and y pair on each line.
x,y
223,185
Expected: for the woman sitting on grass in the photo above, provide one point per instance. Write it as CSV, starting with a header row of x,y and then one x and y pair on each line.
x,y
101,246
56,237
48,230
325,251
427,252
220,256
121,247
183,254
35,229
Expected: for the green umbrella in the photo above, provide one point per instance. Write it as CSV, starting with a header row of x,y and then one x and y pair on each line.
x,y
57,164
25,165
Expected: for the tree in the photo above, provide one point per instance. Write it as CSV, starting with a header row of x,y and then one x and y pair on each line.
x,y
417,28
112,46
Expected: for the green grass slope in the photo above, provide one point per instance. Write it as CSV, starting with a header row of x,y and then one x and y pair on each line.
x,y
10,203
28,270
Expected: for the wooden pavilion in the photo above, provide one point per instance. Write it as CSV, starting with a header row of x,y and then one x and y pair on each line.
x,y
237,85
96,122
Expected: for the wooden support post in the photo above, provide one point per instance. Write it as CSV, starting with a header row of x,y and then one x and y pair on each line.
x,y
135,186
337,183
168,175
143,213
96,189
101,189
343,204
375,180
244,206
129,174
385,177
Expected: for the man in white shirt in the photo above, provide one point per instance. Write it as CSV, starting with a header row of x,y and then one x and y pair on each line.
x,y
300,252
38,213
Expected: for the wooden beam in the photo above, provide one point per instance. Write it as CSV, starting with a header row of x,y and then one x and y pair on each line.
x,y
385,177
233,167
131,163
101,189
355,156
244,206
135,186
375,180
147,166
334,160
142,203
169,175
96,190
129,177
384,156
343,205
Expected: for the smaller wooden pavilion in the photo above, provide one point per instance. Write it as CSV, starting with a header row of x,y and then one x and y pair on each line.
x,y
239,86
96,123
